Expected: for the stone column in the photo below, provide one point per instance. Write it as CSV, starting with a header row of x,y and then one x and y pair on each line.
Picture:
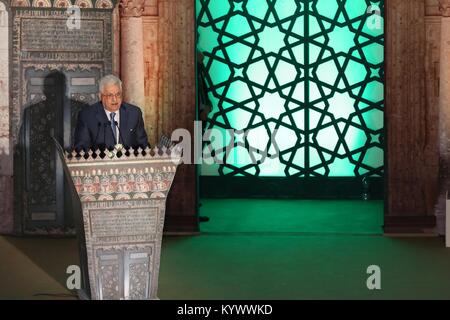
x,y
132,51
444,114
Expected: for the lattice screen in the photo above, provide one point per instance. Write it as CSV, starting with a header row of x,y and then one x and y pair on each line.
x,y
310,71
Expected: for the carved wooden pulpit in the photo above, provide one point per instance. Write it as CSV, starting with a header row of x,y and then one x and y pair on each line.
x,y
119,206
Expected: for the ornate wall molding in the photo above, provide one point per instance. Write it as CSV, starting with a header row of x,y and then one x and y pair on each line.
x,y
42,4
84,3
131,8
432,8
151,8
104,4
60,4
20,3
444,8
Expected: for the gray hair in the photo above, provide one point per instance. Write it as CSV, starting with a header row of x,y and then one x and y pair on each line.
x,y
109,80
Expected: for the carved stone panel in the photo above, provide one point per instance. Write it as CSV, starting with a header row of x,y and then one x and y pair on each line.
x,y
55,72
123,209
6,167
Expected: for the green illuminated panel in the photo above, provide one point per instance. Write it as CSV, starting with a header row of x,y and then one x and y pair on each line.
x,y
301,81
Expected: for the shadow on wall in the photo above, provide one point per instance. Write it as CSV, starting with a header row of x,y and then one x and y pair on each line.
x,y
6,186
6,192
6,168
39,184
48,113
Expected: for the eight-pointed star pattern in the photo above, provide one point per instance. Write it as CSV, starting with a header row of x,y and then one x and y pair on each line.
x,y
309,70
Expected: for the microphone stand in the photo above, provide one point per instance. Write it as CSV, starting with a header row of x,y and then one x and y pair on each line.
x,y
104,136
96,136
120,134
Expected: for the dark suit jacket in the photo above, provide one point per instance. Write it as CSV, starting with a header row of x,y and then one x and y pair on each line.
x,y
93,130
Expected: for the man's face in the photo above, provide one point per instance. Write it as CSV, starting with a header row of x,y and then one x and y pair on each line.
x,y
111,97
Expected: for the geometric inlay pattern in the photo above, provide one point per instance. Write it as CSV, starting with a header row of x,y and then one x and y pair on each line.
x,y
300,82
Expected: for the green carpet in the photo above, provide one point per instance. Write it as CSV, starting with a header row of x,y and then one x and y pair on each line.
x,y
303,267
245,257
293,216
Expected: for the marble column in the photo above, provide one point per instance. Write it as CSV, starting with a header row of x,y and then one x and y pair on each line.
x,y
444,114
132,51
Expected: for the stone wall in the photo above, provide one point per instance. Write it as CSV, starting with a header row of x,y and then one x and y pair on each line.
x,y
169,66
6,167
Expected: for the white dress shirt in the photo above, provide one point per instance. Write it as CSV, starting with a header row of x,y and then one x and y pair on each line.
x,y
116,118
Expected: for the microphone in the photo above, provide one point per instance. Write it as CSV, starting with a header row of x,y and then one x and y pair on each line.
x,y
96,136
120,132
105,124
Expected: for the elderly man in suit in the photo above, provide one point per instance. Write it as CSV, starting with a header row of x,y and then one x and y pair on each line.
x,y
110,121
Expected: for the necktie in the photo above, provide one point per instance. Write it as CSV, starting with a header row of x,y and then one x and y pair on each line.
x,y
113,126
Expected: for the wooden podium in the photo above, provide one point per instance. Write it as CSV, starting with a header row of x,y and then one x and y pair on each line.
x,y
119,207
